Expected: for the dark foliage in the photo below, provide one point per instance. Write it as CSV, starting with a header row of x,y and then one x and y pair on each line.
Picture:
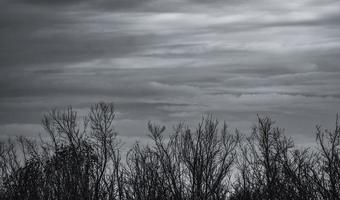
x,y
82,160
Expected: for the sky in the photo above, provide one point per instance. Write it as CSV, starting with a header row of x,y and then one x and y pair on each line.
x,y
167,61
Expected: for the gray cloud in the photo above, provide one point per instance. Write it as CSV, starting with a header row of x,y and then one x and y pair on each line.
x,y
171,60
113,4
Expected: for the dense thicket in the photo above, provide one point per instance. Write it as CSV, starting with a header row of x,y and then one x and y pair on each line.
x,y
82,160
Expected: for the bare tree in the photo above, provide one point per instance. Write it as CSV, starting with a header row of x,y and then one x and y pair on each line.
x,y
269,167
73,165
326,174
82,160
196,164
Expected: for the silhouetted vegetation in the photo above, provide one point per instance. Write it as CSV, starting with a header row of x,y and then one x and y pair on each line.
x,y
82,160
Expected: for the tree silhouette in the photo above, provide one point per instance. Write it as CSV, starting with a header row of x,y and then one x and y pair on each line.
x,y
81,160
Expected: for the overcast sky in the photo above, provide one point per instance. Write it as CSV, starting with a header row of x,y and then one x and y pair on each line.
x,y
171,60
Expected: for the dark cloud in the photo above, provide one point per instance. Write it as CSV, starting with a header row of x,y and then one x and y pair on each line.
x,y
51,2
97,4
171,60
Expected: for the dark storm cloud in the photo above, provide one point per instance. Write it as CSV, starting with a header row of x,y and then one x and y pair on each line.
x,y
41,37
114,4
171,60
51,2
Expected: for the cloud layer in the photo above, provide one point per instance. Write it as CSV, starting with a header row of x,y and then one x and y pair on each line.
x,y
171,60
